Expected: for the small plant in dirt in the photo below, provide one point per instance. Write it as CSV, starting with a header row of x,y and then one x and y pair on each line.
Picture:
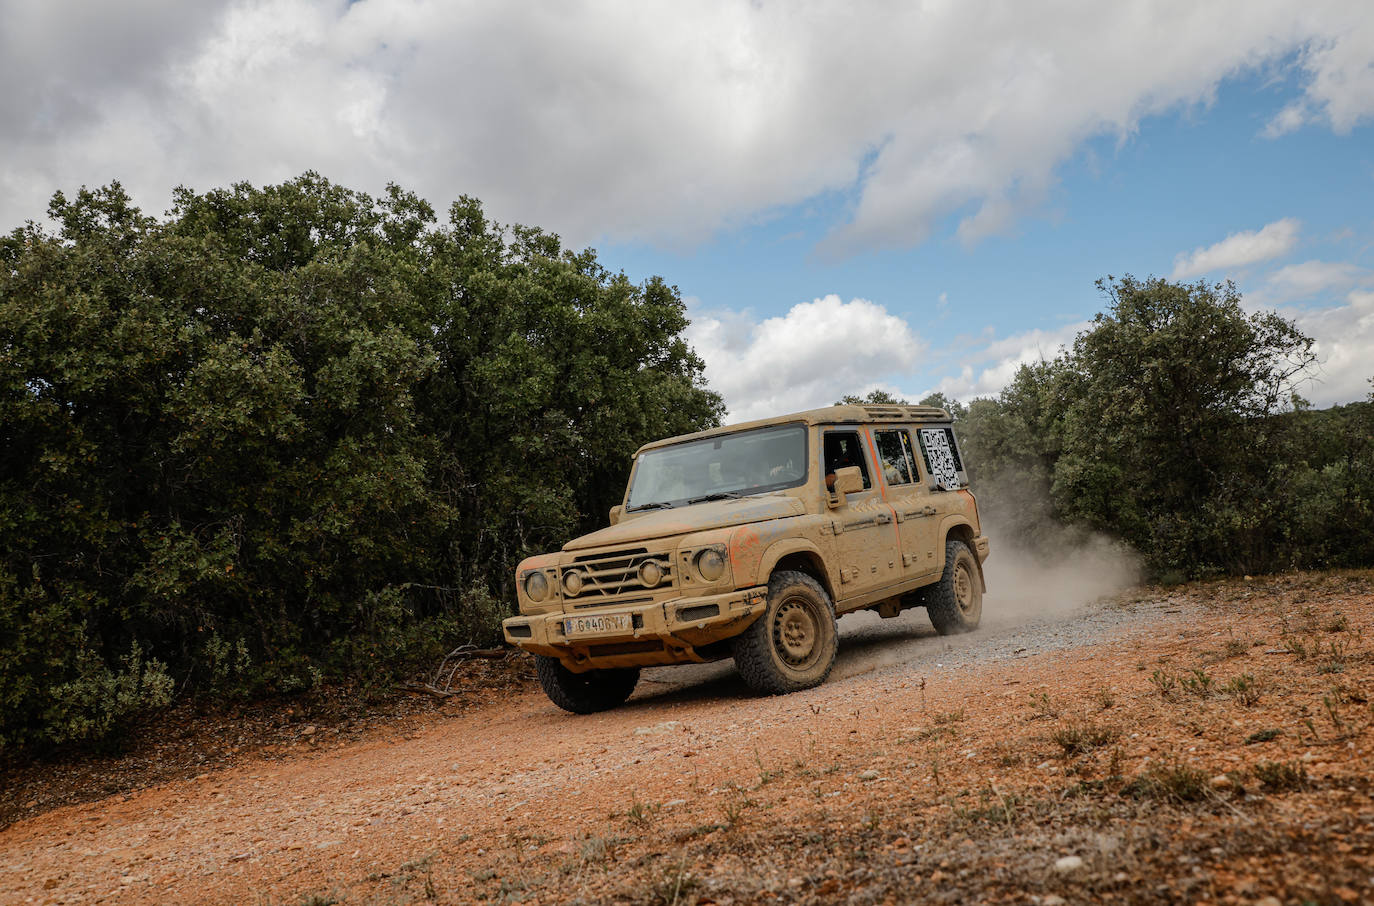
x,y
1280,777
676,884
1235,647
1243,689
1114,763
1346,695
734,807
1079,737
945,718
766,775
597,849
1331,704
1331,658
994,807
1198,684
1104,699
1297,646
1170,781
1337,623
641,813
1042,707
1166,684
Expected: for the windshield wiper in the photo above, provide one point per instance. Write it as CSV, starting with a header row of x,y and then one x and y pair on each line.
x,y
655,505
718,495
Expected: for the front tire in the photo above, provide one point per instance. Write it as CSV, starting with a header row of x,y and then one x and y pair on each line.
x,y
955,603
792,645
585,693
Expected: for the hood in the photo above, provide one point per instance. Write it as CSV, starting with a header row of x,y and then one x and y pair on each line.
x,y
695,518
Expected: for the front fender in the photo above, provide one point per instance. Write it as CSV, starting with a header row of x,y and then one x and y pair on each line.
x,y
776,552
755,549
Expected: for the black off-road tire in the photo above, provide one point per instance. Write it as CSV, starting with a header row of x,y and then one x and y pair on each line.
x,y
791,646
955,603
585,693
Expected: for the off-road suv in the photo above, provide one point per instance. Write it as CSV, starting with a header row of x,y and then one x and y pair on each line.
x,y
747,541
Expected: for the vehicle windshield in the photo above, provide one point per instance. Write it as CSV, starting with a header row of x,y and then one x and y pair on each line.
x,y
731,465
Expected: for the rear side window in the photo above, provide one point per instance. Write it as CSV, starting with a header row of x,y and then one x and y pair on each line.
x,y
941,456
894,456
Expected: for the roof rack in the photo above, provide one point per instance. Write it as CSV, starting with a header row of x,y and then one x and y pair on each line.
x,y
905,413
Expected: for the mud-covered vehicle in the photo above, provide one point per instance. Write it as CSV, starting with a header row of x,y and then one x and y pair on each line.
x,y
748,541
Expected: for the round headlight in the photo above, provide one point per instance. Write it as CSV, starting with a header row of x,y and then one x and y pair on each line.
x,y
650,573
572,582
710,564
536,586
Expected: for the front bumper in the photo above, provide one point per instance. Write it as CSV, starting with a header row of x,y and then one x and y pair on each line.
x,y
667,632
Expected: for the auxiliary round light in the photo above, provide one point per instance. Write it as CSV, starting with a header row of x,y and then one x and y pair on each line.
x,y
537,586
572,582
710,564
650,573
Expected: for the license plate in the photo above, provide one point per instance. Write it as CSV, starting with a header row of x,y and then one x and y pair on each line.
x,y
595,625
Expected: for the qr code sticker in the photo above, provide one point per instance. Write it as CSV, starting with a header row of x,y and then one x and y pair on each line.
x,y
940,458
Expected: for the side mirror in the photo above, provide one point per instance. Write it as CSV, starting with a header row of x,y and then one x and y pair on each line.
x,y
847,481
616,511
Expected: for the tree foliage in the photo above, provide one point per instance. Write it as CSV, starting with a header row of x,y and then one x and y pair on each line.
x,y
297,432
1171,424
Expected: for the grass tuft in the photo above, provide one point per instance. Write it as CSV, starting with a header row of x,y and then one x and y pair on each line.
x,y
1281,777
1171,781
1077,738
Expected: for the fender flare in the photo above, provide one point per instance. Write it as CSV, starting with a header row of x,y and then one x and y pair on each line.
x,y
780,549
947,528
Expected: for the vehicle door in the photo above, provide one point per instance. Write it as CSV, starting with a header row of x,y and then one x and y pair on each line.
x,y
865,534
910,497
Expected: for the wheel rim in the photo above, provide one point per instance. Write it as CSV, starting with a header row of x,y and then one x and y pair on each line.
x,y
796,633
964,594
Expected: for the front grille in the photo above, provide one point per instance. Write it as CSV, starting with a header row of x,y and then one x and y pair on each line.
x,y
609,576
598,601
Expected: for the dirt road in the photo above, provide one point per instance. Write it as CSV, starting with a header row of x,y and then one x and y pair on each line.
x,y
927,768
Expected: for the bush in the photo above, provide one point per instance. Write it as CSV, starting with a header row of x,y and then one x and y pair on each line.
x,y
1199,455
297,433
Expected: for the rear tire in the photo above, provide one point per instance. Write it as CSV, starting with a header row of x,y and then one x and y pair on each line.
x,y
955,603
792,645
585,693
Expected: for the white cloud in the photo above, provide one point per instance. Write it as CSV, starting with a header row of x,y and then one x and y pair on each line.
x,y
1309,278
1314,280
1344,336
824,349
1340,80
811,356
990,363
1239,249
650,121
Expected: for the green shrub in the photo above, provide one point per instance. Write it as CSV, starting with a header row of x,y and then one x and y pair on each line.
x,y
295,434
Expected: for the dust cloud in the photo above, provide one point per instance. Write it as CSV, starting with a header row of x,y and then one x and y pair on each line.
x,y
1052,578
1038,585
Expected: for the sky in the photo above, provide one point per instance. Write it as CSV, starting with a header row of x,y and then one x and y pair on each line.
x,y
849,196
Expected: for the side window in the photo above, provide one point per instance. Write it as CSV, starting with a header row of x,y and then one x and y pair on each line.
x,y
894,456
942,460
843,448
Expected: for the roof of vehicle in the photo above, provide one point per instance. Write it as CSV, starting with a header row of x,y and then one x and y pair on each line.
x,y
830,415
